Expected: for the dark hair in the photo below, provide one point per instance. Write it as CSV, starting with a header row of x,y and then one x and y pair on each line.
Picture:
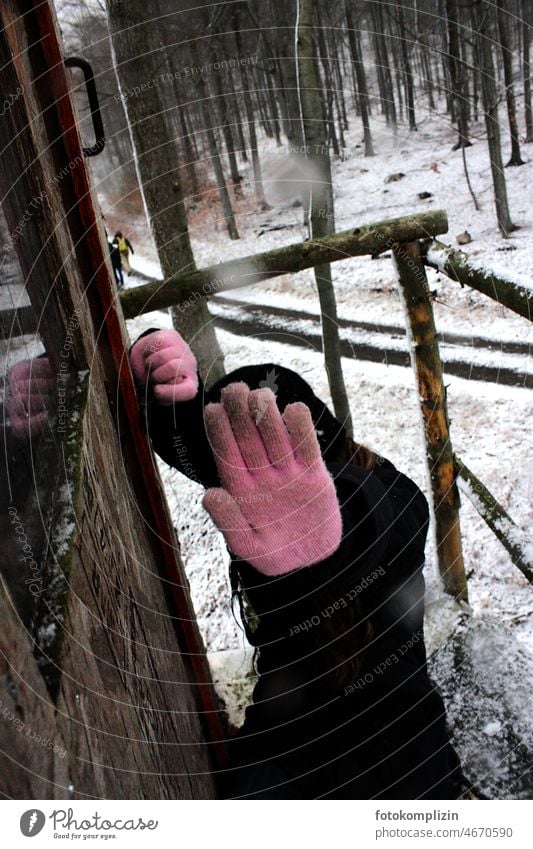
x,y
356,454
340,640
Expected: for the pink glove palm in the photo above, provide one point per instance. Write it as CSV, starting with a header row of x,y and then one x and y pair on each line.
x,y
278,508
166,361
30,396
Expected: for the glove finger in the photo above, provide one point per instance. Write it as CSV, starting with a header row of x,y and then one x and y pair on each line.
x,y
150,345
40,367
155,360
302,434
227,516
22,423
173,371
22,403
28,370
267,417
235,401
32,388
232,469
169,394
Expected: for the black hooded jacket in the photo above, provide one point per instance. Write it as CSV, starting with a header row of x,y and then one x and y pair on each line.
x,y
310,732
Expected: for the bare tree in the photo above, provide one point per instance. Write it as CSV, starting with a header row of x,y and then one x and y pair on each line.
x,y
362,88
322,213
527,23
407,72
457,74
507,59
481,24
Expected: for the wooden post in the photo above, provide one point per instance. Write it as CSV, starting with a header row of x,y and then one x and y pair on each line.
x,y
428,367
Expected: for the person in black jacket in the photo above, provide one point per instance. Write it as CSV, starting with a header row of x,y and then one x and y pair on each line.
x,y
332,598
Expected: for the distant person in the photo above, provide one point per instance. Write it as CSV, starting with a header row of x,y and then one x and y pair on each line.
x,y
116,262
124,246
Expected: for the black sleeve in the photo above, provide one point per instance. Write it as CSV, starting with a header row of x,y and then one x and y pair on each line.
x,y
384,517
178,434
410,515
128,244
179,437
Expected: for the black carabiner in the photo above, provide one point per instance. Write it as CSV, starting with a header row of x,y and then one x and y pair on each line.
x,y
92,94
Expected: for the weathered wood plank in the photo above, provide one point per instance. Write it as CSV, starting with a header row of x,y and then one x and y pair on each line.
x,y
368,239
34,761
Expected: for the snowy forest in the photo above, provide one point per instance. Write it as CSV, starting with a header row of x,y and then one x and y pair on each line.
x,y
344,189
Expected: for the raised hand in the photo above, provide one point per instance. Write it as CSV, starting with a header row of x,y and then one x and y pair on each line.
x,y
29,397
165,360
277,507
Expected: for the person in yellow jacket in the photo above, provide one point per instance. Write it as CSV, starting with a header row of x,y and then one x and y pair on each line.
x,y
124,247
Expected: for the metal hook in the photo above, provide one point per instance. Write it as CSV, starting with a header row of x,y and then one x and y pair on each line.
x,y
92,94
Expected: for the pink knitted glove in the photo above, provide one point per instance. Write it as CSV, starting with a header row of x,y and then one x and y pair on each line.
x,y
165,359
30,396
278,508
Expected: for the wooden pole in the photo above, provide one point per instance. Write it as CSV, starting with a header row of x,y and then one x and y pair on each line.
x,y
510,535
368,239
457,265
428,367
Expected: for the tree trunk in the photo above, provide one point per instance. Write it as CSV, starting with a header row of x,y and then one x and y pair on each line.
x,y
273,106
507,58
526,67
212,145
457,75
190,156
362,88
227,132
490,107
322,213
287,89
137,61
407,72
250,117
327,91
383,65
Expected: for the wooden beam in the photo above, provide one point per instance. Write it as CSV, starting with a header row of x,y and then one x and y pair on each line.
x,y
508,291
426,361
510,535
371,239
